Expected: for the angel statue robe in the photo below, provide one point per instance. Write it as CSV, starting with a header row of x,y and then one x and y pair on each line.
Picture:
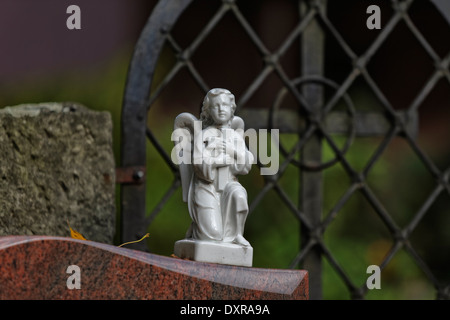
x,y
217,202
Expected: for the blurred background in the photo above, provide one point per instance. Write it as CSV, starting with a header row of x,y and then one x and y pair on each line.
x,y
41,60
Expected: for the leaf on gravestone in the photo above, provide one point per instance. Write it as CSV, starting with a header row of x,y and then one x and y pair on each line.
x,y
75,234
130,242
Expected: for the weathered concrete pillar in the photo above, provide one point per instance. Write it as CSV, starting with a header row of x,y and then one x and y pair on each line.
x,y
56,165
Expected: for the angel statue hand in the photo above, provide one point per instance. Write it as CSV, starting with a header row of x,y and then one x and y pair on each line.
x,y
222,161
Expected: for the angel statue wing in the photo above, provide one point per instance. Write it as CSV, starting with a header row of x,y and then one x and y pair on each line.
x,y
184,131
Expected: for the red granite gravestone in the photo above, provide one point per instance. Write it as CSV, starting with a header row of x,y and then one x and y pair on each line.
x,y
53,268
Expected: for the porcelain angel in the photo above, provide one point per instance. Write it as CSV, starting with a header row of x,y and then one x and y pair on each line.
x,y
209,165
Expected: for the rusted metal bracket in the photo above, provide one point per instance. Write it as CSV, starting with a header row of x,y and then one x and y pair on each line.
x,y
131,175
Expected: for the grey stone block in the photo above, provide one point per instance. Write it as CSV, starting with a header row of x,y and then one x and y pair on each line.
x,y
56,165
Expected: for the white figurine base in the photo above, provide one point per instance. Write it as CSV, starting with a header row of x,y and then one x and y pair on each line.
x,y
214,252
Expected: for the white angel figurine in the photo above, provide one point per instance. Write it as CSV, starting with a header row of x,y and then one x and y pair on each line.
x,y
217,202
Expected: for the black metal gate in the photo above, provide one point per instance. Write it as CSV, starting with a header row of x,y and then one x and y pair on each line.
x,y
319,88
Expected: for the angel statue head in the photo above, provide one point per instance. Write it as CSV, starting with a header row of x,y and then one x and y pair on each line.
x,y
218,108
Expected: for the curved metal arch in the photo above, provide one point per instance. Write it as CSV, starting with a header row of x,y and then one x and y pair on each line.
x,y
134,111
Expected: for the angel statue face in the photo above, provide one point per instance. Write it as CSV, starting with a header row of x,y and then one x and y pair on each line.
x,y
218,107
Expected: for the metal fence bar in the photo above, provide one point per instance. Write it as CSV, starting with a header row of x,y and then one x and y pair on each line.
x,y
134,111
311,197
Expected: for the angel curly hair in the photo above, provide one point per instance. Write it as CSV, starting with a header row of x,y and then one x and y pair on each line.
x,y
204,115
